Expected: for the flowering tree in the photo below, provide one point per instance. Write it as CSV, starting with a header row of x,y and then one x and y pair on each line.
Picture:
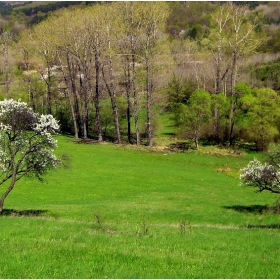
x,y
26,144
261,176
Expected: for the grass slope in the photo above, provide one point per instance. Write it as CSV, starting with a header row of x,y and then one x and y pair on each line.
x,y
121,212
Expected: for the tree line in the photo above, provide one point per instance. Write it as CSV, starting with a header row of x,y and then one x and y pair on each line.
x,y
110,69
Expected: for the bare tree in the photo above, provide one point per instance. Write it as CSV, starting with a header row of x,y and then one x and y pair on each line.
x,y
6,40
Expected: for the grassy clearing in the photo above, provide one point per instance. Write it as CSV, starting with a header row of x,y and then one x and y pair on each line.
x,y
119,212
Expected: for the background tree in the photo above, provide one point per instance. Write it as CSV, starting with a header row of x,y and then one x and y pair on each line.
x,y
219,109
111,36
217,42
178,92
262,108
6,40
196,115
40,43
242,40
129,48
26,144
152,15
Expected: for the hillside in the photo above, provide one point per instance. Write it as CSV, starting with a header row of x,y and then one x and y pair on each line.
x,y
30,12
145,77
190,16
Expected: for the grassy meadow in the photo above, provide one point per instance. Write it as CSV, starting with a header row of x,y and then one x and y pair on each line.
x,y
123,212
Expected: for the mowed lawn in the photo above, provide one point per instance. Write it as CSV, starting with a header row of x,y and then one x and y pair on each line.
x,y
123,212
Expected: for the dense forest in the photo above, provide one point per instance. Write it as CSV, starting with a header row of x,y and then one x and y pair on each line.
x,y
111,70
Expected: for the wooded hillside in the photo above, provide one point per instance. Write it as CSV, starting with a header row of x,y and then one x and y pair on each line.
x,y
114,70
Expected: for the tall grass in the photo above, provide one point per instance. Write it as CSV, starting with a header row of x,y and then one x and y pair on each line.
x,y
121,212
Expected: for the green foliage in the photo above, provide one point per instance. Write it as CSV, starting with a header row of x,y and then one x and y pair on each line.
x,y
263,113
184,15
5,8
45,7
219,110
269,74
196,32
196,115
179,92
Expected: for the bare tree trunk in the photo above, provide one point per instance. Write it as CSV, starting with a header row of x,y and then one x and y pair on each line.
x,y
135,101
6,67
73,99
128,89
216,124
111,91
149,104
218,71
30,92
97,96
196,143
5,40
70,97
84,80
49,91
232,108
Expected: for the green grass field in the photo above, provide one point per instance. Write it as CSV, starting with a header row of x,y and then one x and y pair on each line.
x,y
122,212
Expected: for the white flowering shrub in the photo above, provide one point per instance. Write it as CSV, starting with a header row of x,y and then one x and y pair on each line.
x,y
261,176
26,144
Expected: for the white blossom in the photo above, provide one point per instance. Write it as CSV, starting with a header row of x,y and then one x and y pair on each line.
x,y
46,123
263,176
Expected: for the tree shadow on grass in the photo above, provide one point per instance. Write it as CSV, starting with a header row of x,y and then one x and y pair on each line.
x,y
256,209
272,226
178,147
251,208
27,213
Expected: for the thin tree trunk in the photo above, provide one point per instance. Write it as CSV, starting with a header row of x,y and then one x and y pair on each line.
x,y
218,71
196,143
111,90
73,99
83,78
112,95
232,108
149,104
97,96
135,101
6,67
216,124
128,89
49,92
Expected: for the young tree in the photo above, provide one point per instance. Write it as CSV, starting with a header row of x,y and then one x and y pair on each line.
x,y
26,144
263,114
197,115
219,108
